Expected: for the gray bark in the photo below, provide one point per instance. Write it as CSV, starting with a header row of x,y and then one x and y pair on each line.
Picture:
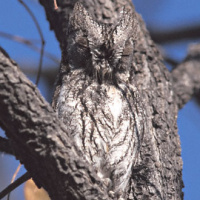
x,y
5,146
40,140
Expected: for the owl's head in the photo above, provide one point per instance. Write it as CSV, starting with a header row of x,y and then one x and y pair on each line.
x,y
102,50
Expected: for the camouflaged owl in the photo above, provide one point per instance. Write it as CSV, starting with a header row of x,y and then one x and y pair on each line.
x,y
95,99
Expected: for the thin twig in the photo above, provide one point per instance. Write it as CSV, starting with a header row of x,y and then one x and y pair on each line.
x,y
29,43
41,38
55,5
18,38
13,178
15,184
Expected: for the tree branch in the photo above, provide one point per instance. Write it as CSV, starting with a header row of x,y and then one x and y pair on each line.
x,y
162,180
40,141
47,151
186,77
5,146
175,35
31,43
14,185
42,41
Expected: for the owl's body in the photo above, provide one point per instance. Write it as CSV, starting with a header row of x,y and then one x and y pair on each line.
x,y
96,101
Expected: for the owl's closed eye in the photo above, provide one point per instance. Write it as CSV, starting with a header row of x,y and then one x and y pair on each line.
x,y
101,49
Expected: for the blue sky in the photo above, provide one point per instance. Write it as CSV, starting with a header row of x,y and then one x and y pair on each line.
x,y
160,15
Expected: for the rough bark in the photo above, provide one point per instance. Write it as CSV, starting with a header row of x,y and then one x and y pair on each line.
x,y
186,76
5,146
42,144
40,141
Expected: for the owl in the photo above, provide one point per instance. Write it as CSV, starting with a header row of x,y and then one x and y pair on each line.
x,y
95,100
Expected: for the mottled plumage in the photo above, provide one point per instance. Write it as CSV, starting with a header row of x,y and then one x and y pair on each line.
x,y
96,101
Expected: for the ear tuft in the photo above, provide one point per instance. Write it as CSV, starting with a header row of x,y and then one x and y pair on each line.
x,y
78,17
81,20
124,32
126,27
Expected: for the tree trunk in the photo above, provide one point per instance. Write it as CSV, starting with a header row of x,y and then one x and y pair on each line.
x,y
40,140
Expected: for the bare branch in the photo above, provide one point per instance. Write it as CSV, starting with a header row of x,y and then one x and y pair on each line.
x,y
15,184
41,38
186,77
166,58
170,61
40,140
42,143
18,38
5,146
13,178
152,79
176,35
31,43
